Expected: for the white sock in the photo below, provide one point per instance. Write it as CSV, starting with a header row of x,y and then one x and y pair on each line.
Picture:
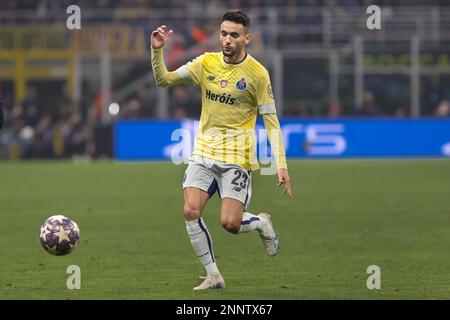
x,y
202,244
250,222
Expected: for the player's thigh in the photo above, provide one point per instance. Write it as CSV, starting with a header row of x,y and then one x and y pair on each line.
x,y
198,186
235,183
231,213
194,202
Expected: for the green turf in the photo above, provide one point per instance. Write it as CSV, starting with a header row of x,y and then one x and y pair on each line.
x,y
345,216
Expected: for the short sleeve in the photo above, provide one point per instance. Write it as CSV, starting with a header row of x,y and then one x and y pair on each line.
x,y
264,95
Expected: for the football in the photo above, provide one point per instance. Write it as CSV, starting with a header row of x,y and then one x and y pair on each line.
x,y
60,235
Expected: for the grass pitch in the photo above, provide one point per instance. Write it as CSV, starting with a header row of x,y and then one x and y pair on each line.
x,y
345,216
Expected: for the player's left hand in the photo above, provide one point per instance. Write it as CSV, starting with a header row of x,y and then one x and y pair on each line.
x,y
283,178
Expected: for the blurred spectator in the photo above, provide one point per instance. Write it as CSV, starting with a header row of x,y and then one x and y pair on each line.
x,y
14,139
67,106
178,113
433,91
369,108
74,136
43,144
97,107
181,100
442,109
335,110
31,107
198,34
147,105
132,110
402,112
177,47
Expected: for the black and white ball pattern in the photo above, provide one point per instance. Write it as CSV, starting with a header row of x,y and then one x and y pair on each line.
x,y
60,235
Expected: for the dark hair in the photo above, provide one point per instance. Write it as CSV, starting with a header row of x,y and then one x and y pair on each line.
x,y
237,16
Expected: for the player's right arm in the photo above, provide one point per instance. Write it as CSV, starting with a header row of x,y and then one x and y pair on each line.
x,y
163,77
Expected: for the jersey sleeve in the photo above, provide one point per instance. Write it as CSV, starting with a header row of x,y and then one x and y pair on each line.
x,y
163,77
193,69
266,107
275,136
264,95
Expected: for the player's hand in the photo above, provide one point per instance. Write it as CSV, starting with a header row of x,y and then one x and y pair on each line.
x,y
283,178
159,37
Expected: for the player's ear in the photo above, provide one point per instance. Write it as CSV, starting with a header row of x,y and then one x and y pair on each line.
x,y
248,38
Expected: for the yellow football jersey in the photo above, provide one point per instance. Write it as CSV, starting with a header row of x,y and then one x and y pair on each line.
x,y
232,95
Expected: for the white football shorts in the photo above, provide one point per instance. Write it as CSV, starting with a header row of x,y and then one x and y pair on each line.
x,y
209,175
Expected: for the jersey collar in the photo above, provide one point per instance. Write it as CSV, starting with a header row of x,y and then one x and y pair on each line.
x,y
233,64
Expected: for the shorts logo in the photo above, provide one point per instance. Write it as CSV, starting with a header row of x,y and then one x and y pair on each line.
x,y
223,83
241,85
211,77
237,189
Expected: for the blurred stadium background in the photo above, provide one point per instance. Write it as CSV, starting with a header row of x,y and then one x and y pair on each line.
x,y
64,90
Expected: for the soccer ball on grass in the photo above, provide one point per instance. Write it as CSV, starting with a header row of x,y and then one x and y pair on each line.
x,y
60,235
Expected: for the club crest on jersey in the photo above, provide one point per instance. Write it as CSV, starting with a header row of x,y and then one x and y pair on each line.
x,y
211,77
241,85
223,83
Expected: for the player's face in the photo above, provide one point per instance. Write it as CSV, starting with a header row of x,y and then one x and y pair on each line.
x,y
233,38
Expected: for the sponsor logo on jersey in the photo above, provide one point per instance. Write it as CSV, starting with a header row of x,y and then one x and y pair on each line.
x,y
222,98
241,85
211,77
223,83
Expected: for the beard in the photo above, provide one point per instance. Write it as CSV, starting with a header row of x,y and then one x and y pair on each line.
x,y
228,53
232,52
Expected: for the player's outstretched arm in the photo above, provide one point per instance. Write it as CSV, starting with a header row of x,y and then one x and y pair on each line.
x,y
164,78
273,129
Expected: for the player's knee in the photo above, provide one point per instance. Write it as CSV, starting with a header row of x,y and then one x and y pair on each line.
x,y
231,225
191,213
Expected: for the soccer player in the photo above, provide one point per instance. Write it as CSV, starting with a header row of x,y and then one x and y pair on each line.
x,y
234,88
